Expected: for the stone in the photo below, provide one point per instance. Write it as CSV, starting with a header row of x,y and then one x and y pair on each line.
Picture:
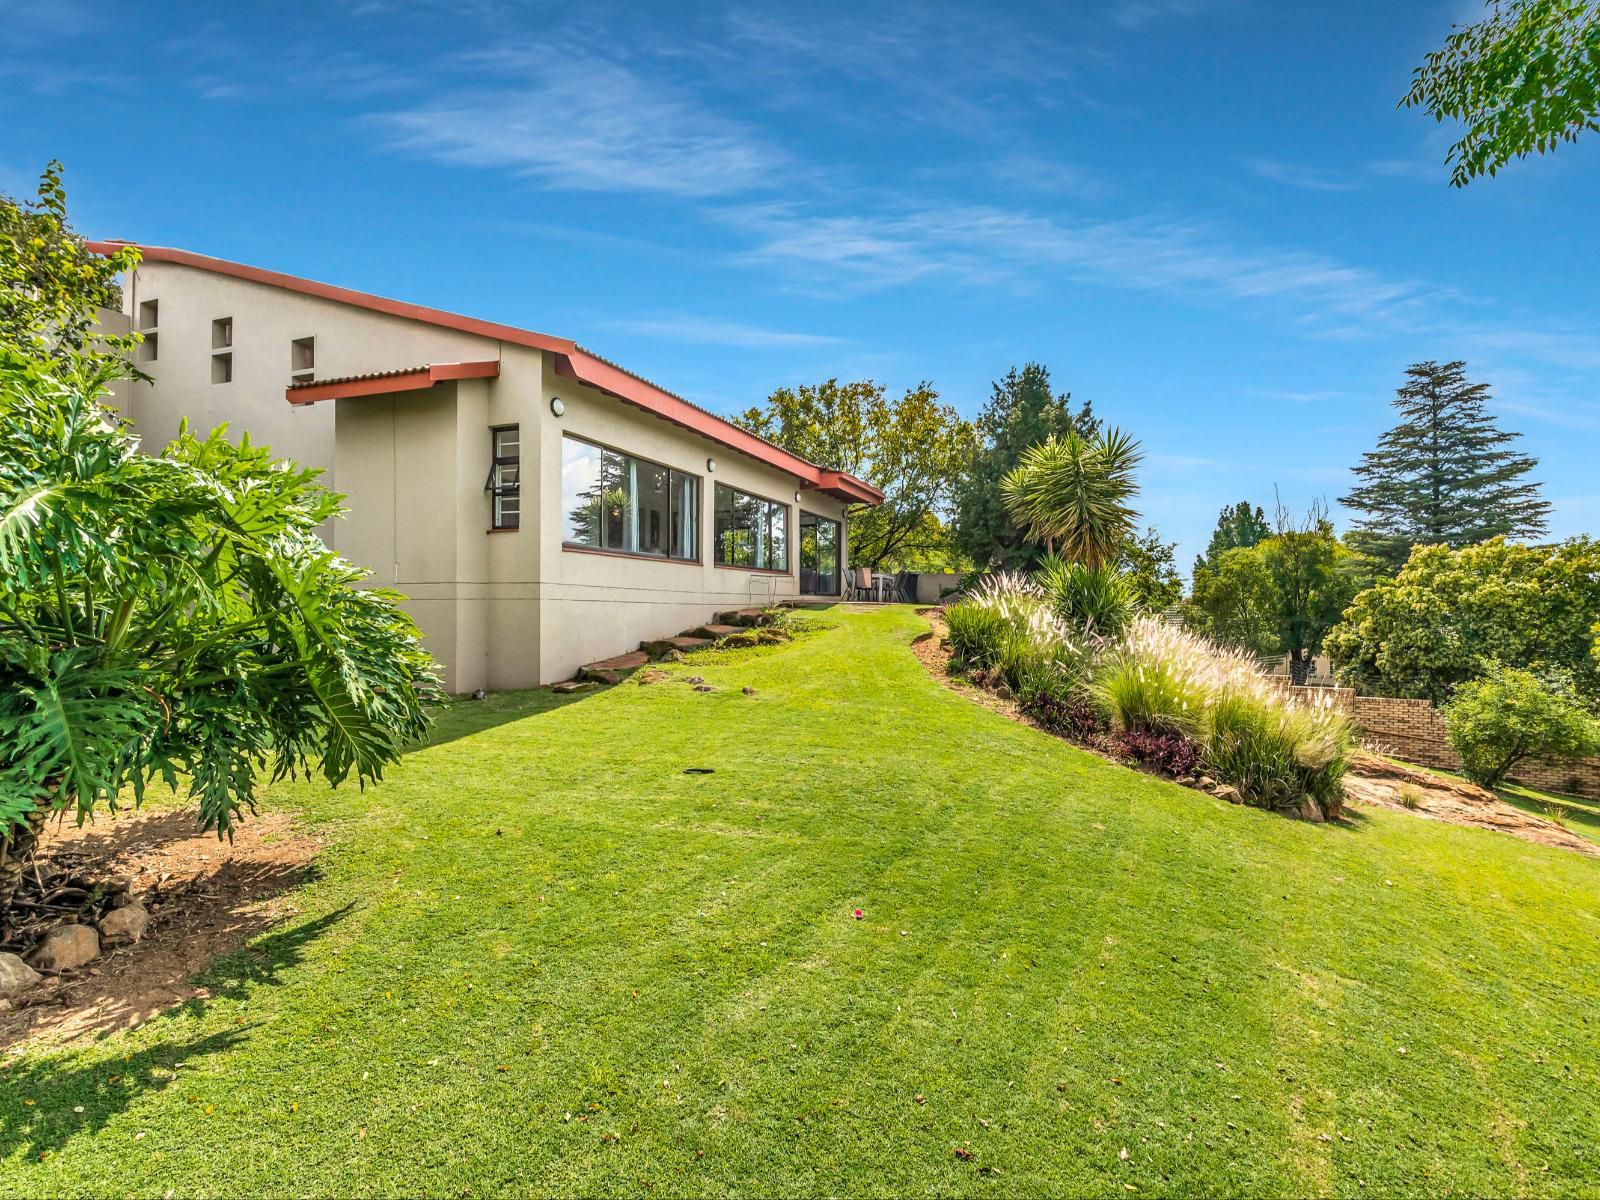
x,y
574,685
695,679
748,690
1207,782
601,675
124,926
1311,811
704,687
16,976
1187,781
66,947
713,631
1229,793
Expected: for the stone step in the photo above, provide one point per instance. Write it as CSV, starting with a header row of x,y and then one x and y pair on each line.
x,y
598,675
744,616
714,632
662,647
622,662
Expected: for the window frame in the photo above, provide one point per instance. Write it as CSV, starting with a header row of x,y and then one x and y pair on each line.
x,y
716,541
497,489
673,474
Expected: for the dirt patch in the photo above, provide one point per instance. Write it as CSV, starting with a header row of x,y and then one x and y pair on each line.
x,y
205,897
1381,782
1370,780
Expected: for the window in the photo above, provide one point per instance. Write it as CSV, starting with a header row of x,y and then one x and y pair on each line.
x,y
504,484
750,531
613,501
222,368
302,358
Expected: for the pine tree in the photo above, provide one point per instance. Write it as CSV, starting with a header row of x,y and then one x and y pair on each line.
x,y
1021,413
1444,473
1239,526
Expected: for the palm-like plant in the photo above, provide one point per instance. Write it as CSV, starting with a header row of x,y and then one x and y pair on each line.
x,y
1072,491
176,616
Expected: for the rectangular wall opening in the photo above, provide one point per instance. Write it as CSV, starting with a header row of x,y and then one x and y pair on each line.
x,y
303,358
149,315
222,333
222,368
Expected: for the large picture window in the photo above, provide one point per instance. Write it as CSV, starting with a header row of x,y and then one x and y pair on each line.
x,y
613,501
504,484
751,532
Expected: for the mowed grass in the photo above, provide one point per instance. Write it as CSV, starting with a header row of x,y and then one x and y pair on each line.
x,y
540,959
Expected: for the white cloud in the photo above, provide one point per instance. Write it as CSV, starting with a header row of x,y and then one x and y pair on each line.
x,y
1138,14
705,331
1296,175
589,125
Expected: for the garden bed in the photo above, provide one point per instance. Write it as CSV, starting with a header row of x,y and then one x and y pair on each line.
x,y
204,898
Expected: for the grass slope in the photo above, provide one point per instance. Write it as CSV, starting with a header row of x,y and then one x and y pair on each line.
x,y
540,959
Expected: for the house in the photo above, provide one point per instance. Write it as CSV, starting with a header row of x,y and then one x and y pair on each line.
x,y
541,507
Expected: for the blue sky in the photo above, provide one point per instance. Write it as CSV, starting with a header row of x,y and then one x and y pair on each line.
x,y
1207,216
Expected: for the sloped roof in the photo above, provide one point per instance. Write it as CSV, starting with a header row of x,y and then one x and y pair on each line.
x,y
572,361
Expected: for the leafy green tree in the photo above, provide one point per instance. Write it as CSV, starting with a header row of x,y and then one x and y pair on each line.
x,y
1524,79
175,615
1151,572
1314,578
1449,613
1022,412
1239,526
912,449
50,284
1074,490
1443,474
1509,716
1235,602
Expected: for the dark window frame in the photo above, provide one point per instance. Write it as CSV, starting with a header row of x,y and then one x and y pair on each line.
x,y
716,540
673,476
498,489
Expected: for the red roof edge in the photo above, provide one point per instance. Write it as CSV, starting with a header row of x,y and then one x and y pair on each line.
x,y
571,360
383,383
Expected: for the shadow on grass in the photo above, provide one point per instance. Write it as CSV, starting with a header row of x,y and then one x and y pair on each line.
x,y
45,1102
463,716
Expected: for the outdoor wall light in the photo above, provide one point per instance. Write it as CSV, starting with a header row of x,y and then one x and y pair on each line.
x,y
711,464
797,497
556,406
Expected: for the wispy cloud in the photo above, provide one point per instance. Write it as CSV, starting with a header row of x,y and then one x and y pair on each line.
x,y
1297,175
1138,14
589,125
706,331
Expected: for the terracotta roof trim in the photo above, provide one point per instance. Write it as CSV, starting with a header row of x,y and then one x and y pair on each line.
x,y
383,383
571,360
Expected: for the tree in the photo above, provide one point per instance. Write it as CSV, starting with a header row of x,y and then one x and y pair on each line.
x,y
1449,613
1022,412
1524,79
1282,595
1074,489
50,284
911,449
1147,564
1238,527
1443,474
175,615
1509,716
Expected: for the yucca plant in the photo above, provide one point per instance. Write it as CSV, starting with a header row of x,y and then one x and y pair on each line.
x,y
1096,600
1072,492
176,616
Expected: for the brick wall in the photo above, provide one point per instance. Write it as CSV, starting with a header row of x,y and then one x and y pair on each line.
x,y
1415,731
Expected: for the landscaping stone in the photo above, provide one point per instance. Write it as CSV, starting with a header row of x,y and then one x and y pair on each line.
x,y
704,687
713,631
600,675
1229,793
1310,810
1207,782
124,926
16,976
574,685
65,947
621,662
748,691
695,679
662,647
744,616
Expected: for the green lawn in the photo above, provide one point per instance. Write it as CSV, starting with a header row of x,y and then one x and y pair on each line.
x,y
541,959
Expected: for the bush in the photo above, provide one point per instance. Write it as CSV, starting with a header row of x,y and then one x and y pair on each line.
x,y
1277,753
1071,714
1160,679
1097,601
1005,628
1511,715
1172,753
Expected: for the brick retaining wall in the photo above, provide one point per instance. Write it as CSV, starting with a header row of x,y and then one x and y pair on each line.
x,y
1415,731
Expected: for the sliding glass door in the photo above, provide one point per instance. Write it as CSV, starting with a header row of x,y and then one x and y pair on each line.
x,y
819,556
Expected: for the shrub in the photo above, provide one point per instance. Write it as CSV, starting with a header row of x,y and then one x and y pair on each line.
x,y
1277,753
1071,714
1171,753
1005,630
1160,678
1511,715
1097,601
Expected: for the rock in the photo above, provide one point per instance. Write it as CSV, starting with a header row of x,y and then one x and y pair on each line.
x,y
124,926
600,675
704,687
1187,781
66,947
119,885
1003,691
748,690
574,685
695,679
1229,793
16,976
1310,810
1207,782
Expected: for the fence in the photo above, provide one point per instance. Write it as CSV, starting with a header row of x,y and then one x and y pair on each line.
x,y
1415,731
